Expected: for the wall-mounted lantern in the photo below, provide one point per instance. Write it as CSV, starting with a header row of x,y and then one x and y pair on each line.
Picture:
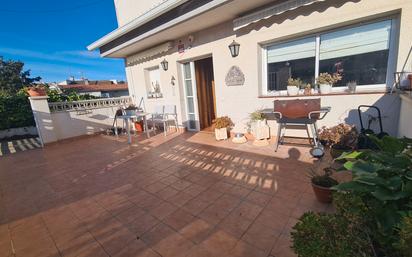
x,y
165,65
234,48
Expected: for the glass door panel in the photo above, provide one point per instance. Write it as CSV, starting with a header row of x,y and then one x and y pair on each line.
x,y
190,96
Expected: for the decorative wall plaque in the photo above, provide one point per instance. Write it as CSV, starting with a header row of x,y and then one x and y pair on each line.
x,y
235,77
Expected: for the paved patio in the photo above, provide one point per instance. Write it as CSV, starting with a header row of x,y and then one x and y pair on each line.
x,y
184,195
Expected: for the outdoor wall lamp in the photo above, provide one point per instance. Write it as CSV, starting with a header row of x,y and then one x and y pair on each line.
x,y
234,48
165,65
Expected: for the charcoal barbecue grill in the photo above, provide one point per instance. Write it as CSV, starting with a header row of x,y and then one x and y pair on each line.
x,y
301,112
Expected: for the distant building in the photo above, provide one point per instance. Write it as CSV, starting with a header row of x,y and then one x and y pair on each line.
x,y
98,88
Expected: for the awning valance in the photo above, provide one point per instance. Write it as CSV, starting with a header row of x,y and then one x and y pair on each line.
x,y
270,11
152,52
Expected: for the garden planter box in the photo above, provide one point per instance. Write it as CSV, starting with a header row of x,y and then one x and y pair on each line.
x,y
260,130
221,134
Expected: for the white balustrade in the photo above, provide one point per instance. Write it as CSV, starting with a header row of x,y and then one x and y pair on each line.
x,y
89,104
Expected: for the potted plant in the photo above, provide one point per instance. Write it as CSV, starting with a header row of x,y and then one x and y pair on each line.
x,y
307,90
326,81
37,91
340,138
293,86
222,126
322,184
258,126
351,86
130,110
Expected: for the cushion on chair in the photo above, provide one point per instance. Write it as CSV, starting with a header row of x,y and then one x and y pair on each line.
x,y
298,108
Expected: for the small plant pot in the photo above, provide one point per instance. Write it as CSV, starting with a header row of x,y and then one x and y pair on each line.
x,y
221,134
130,112
325,88
292,90
139,126
307,91
323,194
34,91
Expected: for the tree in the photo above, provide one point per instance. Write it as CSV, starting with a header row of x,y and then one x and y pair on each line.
x,y
13,77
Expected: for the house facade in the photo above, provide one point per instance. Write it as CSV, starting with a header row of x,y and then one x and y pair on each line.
x,y
366,41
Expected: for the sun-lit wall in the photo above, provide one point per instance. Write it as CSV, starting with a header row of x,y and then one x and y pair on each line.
x,y
127,10
238,102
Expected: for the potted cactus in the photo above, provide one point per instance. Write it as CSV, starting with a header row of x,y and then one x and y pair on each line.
x,y
222,126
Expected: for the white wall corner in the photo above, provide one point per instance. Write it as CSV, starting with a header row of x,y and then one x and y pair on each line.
x,y
43,119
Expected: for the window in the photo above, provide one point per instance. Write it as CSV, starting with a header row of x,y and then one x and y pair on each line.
x,y
294,59
153,82
359,54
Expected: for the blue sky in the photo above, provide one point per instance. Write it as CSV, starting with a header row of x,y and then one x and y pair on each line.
x,y
50,37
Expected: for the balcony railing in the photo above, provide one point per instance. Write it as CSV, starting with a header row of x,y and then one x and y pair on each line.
x,y
90,104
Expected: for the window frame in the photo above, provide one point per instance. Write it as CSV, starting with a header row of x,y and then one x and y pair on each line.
x,y
391,65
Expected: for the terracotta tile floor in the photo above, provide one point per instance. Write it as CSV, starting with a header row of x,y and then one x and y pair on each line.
x,y
183,195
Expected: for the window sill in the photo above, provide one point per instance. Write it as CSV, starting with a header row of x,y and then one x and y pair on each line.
x,y
331,94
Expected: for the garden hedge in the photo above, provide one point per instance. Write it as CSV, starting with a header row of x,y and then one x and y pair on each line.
x,y
15,112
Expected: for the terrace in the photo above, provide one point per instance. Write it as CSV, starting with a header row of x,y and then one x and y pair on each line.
x,y
181,195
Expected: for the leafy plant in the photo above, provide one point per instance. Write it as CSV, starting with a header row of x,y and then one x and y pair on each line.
x,y
383,180
325,235
326,78
131,107
323,180
67,96
223,122
342,136
257,115
15,111
295,82
404,245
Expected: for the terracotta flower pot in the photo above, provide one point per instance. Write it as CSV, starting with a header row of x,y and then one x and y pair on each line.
x,y
37,91
323,194
139,126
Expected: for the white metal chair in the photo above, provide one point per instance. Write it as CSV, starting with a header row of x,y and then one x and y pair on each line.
x,y
164,114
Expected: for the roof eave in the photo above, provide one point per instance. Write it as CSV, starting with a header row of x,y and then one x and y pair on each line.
x,y
149,15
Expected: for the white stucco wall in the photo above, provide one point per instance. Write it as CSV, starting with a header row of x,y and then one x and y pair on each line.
x,y
127,10
405,118
68,124
238,102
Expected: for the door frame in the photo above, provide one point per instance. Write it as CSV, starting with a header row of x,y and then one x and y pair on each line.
x,y
194,87
194,96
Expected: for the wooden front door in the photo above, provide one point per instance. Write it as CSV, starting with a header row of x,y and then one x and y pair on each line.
x,y
205,92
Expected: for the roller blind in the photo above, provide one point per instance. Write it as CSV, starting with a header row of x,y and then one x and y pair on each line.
x,y
353,41
298,49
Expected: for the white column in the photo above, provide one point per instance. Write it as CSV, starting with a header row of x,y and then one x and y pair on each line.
x,y
42,116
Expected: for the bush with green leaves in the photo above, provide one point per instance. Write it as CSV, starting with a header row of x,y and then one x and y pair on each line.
x,y
376,206
67,96
325,235
15,111
383,179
